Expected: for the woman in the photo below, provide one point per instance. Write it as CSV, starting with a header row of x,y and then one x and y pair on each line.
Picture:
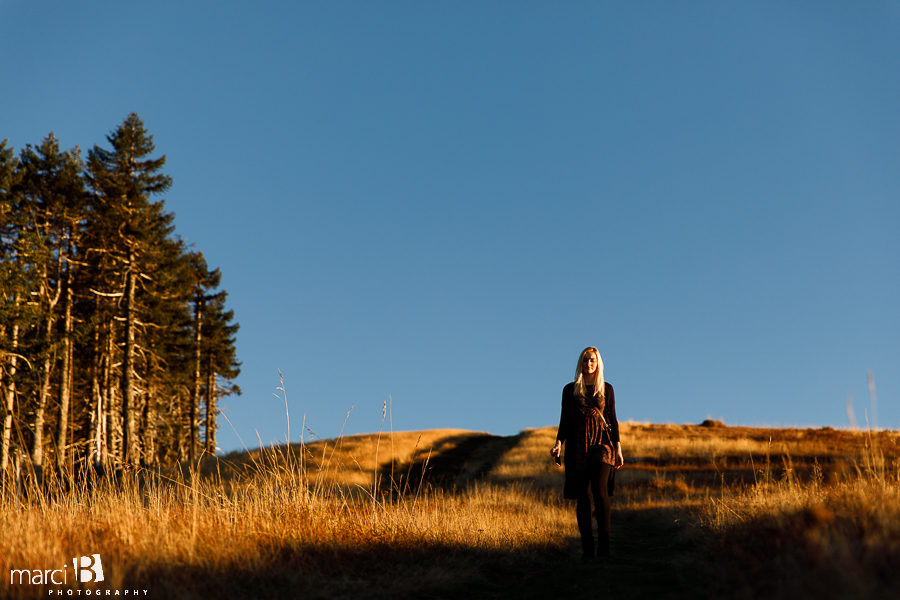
x,y
590,430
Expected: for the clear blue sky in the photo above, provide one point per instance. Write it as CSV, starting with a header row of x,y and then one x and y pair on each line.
x,y
444,202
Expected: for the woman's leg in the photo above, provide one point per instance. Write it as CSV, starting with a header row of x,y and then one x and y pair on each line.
x,y
600,491
583,516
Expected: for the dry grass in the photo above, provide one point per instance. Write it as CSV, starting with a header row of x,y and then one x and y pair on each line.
x,y
772,510
529,461
787,536
677,442
194,544
288,522
349,462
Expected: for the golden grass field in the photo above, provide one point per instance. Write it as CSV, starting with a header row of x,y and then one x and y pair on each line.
x,y
705,512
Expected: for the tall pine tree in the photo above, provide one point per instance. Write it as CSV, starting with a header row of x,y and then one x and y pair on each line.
x,y
11,282
115,340
55,202
134,229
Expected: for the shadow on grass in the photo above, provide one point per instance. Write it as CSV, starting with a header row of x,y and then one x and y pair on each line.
x,y
650,561
367,570
808,553
645,564
452,463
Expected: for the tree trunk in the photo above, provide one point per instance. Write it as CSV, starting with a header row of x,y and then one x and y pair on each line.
x,y
178,429
110,412
129,454
139,409
66,375
195,395
10,397
148,437
37,448
210,409
95,404
97,441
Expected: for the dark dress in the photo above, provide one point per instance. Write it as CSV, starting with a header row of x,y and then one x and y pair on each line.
x,y
591,432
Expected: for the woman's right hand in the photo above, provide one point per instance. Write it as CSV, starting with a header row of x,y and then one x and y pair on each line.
x,y
554,451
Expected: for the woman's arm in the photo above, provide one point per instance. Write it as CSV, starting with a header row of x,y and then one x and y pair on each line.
x,y
611,419
562,432
614,425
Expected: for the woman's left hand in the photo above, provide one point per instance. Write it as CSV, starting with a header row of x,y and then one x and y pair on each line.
x,y
620,460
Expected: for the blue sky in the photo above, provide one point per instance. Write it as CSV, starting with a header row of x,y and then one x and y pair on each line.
x,y
444,202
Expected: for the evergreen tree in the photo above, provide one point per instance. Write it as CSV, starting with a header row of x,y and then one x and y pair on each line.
x,y
10,298
214,351
115,340
123,180
220,360
54,200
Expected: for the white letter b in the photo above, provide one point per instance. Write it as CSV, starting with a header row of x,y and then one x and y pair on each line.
x,y
89,569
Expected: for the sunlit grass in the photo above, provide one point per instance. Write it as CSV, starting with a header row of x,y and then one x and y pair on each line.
x,y
328,520
271,513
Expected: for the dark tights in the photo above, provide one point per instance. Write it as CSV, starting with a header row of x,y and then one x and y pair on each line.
x,y
596,478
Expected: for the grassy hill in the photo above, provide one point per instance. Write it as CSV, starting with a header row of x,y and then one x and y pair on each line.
x,y
699,511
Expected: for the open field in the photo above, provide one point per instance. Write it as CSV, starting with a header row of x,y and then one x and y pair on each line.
x,y
698,512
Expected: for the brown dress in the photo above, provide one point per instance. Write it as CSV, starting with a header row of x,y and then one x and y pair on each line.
x,y
590,430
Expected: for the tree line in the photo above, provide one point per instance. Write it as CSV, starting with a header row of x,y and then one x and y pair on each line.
x,y
115,340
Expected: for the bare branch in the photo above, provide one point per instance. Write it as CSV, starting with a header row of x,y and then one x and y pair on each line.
x,y
108,295
6,354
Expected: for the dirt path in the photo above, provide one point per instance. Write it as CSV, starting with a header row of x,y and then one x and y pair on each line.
x,y
651,548
652,557
466,459
650,560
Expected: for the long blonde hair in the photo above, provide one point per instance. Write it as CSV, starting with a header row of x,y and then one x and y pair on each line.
x,y
598,383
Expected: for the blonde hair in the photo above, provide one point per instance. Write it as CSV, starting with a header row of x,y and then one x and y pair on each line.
x,y
598,383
